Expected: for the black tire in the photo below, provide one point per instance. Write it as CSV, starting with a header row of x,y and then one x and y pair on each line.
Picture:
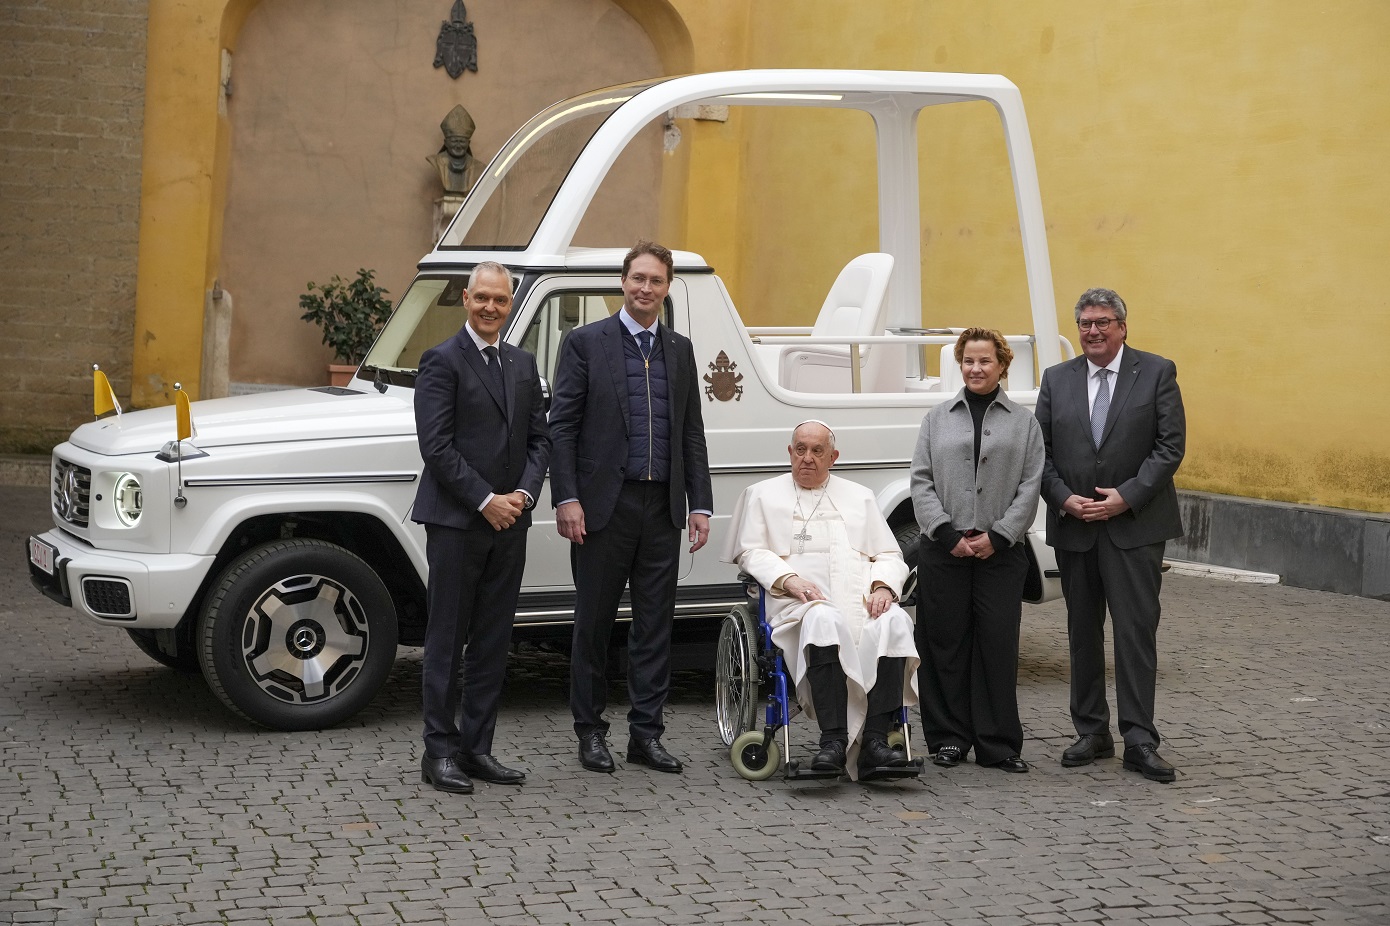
x,y
737,682
297,635
153,644
909,537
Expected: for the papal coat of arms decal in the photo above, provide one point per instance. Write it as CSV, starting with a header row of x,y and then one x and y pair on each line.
x,y
723,381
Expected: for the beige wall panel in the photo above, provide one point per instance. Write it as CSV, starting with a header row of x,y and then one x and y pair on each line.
x,y
335,106
1221,165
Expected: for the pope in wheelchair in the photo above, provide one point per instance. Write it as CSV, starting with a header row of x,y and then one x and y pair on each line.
x,y
832,574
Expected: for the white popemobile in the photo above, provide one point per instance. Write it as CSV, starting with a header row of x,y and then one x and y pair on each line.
x,y
279,557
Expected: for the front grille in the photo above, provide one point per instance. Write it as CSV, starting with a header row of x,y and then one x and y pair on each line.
x,y
72,491
107,597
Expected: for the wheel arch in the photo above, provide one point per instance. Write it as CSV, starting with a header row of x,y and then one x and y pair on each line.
x,y
361,533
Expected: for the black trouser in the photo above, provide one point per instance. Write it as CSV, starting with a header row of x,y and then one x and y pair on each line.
x,y
1129,582
968,612
474,579
640,549
830,694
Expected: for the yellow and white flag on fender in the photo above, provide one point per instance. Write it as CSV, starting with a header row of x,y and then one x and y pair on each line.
x,y
103,396
184,414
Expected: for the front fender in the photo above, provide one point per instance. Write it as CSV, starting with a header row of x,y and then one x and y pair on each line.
x,y
221,510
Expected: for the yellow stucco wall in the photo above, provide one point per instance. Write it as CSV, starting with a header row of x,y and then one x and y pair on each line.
x,y
1219,164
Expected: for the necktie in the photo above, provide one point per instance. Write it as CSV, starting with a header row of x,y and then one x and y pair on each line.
x,y
1101,407
494,365
644,343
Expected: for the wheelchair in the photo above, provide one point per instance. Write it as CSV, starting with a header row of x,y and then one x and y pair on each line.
x,y
749,670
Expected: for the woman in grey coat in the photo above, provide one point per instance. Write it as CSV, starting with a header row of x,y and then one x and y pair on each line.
x,y
975,478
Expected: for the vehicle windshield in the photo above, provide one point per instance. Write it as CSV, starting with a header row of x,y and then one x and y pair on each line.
x,y
505,209
431,311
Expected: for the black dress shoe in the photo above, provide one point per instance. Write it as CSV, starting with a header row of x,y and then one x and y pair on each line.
x,y
487,768
445,775
1088,748
948,756
652,754
830,758
594,754
1145,758
1013,764
876,753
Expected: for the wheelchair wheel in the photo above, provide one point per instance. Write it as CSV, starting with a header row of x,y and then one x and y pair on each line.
x,y
896,740
736,678
751,760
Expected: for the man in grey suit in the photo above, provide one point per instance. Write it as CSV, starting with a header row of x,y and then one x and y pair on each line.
x,y
1114,429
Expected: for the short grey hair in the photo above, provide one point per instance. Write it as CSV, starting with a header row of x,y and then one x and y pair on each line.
x,y
1101,299
493,267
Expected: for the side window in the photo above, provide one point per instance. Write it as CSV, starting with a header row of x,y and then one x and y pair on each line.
x,y
561,313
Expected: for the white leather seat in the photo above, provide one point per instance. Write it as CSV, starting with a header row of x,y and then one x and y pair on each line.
x,y
855,307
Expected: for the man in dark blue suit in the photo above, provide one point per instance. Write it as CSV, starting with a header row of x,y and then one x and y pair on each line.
x,y
1114,429
629,452
480,419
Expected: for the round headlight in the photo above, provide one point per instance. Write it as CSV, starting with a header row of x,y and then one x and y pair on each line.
x,y
128,499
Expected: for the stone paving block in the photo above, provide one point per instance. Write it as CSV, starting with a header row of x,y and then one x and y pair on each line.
x,y
197,812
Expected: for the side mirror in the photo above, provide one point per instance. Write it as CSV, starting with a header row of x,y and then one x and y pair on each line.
x,y
545,393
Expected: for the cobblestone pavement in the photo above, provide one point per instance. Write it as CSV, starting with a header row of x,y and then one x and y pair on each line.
x,y
130,796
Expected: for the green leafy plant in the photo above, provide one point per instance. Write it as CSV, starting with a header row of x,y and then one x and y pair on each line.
x,y
350,312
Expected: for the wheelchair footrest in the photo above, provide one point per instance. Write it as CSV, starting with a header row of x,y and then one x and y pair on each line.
x,y
796,773
891,772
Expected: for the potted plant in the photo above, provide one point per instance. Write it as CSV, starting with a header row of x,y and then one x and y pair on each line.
x,y
350,312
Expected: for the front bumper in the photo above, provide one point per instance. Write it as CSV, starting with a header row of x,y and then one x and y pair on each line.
x,y
140,590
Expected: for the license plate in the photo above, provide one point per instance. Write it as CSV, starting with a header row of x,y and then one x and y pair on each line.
x,y
42,554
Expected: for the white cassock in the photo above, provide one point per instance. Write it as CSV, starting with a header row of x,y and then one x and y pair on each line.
x,y
838,539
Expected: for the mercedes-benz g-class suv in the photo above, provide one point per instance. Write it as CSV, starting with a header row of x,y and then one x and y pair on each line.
x,y
274,551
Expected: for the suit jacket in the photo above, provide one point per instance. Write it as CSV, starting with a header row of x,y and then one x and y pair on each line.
x,y
590,423
1143,442
473,440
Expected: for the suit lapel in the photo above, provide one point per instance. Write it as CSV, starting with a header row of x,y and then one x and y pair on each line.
x,y
1078,377
474,359
1124,385
675,393
613,333
509,376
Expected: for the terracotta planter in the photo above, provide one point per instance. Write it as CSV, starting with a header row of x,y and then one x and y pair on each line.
x,y
340,374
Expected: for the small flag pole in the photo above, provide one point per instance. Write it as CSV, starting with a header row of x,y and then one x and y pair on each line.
x,y
180,406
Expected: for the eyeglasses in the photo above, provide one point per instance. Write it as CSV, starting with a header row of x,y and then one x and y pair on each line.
x,y
1100,324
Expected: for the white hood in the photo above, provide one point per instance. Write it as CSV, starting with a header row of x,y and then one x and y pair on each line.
x,y
267,417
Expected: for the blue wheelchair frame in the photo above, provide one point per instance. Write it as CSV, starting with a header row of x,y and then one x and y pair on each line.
x,y
755,755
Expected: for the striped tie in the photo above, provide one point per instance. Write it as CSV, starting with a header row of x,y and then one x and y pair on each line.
x,y
1101,408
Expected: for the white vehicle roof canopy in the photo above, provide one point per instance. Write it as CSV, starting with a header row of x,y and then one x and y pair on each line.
x,y
537,189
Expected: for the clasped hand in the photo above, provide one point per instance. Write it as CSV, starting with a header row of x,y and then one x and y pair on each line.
x,y
501,511
979,547
1090,509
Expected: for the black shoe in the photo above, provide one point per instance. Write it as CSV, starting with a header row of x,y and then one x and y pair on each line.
x,y
876,753
1145,758
948,756
445,775
1088,748
594,754
487,768
1011,764
652,754
830,758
